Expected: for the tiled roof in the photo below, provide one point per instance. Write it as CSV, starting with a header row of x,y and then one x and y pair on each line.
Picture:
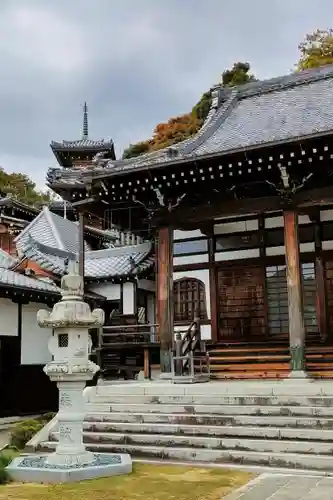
x,y
10,201
82,144
292,107
10,278
107,263
51,230
6,260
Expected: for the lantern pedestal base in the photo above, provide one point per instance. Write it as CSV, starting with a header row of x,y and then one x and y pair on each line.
x,y
36,469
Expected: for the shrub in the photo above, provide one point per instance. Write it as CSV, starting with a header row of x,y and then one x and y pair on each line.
x,y
23,432
4,461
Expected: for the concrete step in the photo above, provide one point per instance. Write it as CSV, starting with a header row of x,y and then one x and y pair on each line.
x,y
256,388
291,400
169,440
212,430
289,460
259,410
211,419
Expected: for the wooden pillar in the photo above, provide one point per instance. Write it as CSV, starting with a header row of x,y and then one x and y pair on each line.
x,y
320,283
164,296
213,289
81,245
295,296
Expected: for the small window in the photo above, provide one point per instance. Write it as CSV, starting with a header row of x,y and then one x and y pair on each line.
x,y
189,296
63,340
237,242
190,247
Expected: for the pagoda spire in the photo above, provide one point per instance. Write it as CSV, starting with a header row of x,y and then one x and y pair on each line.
x,y
85,122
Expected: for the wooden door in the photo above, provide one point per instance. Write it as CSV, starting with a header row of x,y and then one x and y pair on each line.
x,y
241,303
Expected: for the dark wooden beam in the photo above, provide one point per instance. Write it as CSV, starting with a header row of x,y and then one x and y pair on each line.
x,y
164,296
295,297
189,216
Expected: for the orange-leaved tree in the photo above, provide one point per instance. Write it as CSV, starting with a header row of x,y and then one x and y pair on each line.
x,y
180,128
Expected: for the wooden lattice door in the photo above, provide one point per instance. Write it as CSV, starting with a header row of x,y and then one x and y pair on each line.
x,y
241,303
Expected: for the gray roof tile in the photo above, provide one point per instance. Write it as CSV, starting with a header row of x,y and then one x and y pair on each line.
x,y
107,263
291,107
6,260
51,230
13,278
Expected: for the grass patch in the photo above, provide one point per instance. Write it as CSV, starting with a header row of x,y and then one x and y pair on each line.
x,y
147,482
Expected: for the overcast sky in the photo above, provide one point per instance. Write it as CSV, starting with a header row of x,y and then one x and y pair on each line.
x,y
136,63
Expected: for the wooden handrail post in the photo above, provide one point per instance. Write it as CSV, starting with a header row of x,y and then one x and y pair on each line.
x,y
178,350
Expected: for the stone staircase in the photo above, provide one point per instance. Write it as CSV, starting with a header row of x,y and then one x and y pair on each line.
x,y
267,423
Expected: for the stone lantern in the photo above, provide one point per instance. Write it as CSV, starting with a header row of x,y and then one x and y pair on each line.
x,y
70,368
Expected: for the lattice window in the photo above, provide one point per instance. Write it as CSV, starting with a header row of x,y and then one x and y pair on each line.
x,y
63,340
189,297
277,293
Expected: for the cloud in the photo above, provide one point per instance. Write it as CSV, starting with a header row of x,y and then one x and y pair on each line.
x,y
136,62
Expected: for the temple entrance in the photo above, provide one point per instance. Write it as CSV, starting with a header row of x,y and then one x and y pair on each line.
x,y
253,303
241,303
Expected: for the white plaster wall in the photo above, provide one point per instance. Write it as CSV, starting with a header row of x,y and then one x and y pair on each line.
x,y
200,274
206,331
326,215
184,235
110,290
236,226
8,318
34,343
128,298
190,259
251,253
151,309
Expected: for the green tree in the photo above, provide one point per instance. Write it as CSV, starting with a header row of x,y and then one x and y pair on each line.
x,y
136,149
20,186
316,50
237,75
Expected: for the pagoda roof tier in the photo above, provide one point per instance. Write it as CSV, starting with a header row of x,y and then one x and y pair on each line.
x,y
259,114
109,264
83,145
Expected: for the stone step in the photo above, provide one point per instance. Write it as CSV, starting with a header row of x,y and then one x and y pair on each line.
x,y
290,400
259,410
212,430
211,419
240,457
256,388
169,440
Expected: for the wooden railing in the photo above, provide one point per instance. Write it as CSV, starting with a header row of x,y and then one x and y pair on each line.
x,y
190,357
123,349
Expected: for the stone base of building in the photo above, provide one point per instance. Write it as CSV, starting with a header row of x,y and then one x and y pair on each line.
x,y
35,469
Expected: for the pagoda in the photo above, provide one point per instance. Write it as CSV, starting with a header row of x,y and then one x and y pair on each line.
x,y
80,152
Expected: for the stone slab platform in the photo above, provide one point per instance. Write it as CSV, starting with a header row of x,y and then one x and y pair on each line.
x,y
34,469
285,487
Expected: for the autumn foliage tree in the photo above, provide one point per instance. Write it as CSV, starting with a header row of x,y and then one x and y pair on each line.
x,y
316,50
182,127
